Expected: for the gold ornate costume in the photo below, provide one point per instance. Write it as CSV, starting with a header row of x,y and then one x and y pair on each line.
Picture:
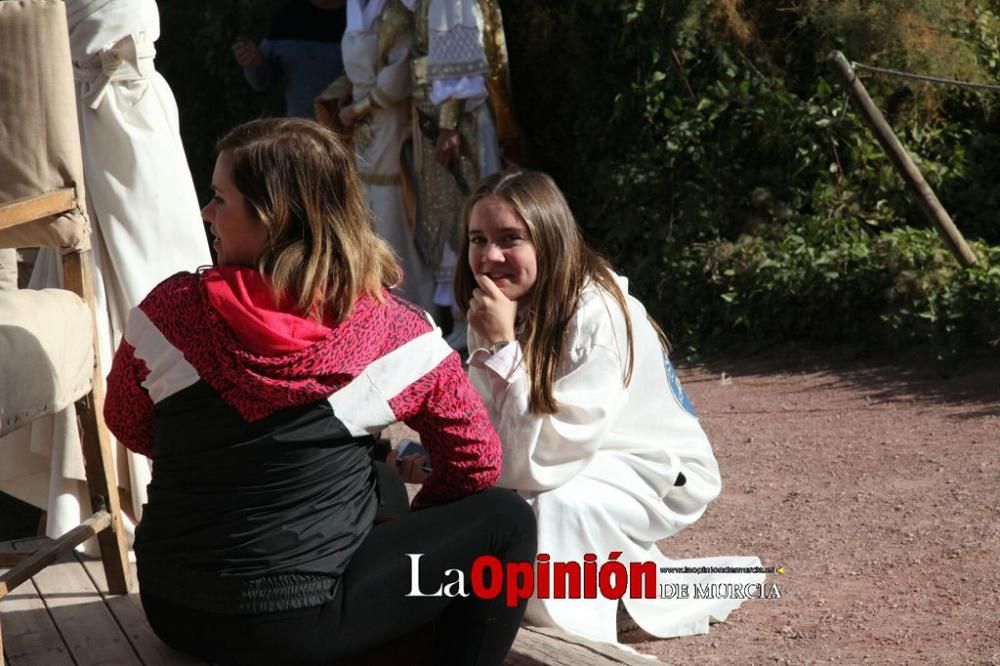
x,y
459,53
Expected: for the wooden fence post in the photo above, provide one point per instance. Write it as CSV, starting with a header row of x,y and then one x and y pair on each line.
x,y
901,159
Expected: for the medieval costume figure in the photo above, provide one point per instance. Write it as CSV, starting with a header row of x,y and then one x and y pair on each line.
x,y
372,102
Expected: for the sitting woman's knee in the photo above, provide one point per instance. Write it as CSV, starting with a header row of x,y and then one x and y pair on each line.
x,y
510,511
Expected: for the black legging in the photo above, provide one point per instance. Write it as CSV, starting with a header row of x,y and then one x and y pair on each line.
x,y
371,607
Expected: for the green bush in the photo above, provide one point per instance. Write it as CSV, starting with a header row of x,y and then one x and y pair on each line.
x,y
835,284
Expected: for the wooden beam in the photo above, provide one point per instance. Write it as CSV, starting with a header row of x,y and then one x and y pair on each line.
x,y
101,478
28,209
41,558
907,168
542,645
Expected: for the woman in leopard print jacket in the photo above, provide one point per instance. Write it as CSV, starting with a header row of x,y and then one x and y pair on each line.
x,y
258,387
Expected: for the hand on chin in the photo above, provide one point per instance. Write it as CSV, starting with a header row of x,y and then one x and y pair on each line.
x,y
491,312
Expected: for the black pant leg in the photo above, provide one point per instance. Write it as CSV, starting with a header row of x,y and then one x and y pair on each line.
x,y
377,602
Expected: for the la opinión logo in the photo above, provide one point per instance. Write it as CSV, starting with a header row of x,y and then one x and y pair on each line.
x,y
489,577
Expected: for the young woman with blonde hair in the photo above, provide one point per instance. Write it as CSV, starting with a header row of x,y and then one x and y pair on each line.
x,y
258,387
596,430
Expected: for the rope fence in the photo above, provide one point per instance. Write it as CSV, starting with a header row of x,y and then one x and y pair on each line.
x,y
926,79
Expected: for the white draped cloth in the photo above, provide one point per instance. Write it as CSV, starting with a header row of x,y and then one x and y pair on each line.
x,y
600,473
147,226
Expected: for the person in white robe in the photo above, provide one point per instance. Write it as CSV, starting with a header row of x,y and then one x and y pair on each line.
x,y
147,226
598,435
376,49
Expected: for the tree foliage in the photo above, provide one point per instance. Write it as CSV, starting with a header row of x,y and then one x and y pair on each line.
x,y
194,55
706,150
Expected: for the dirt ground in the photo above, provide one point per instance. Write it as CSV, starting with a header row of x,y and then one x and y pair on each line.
x,y
875,484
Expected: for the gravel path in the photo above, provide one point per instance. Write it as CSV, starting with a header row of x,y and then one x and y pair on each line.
x,y
876,486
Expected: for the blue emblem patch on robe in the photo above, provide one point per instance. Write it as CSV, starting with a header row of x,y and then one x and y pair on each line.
x,y
676,390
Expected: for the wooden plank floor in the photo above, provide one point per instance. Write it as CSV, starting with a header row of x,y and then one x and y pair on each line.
x,y
64,616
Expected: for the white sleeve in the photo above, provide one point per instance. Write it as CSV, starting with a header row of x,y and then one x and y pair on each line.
x,y
393,83
541,452
471,88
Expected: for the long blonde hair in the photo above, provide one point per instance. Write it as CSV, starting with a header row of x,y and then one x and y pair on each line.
x,y
566,264
300,181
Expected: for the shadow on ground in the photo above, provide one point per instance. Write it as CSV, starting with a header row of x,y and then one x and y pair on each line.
x,y
18,520
972,382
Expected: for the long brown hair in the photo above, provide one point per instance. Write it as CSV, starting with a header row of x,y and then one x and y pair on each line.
x,y
566,264
300,181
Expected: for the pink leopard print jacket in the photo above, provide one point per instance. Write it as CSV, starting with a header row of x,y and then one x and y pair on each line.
x,y
384,363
